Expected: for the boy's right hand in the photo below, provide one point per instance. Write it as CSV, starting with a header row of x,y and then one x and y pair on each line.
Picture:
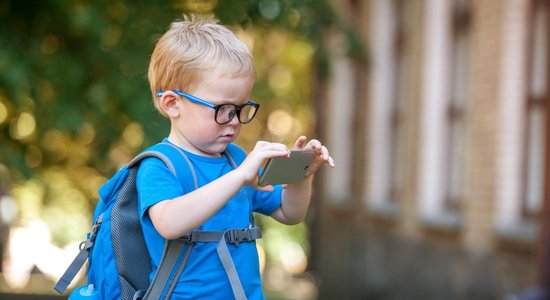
x,y
261,152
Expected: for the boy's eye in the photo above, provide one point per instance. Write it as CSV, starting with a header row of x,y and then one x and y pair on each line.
x,y
225,113
226,108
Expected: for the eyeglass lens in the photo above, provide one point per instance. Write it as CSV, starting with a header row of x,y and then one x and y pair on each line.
x,y
226,112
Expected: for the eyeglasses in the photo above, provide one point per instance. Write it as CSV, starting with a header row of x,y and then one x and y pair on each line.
x,y
224,112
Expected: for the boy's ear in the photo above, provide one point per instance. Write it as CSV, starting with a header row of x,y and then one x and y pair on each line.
x,y
169,104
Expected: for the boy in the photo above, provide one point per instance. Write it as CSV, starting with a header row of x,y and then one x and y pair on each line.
x,y
201,76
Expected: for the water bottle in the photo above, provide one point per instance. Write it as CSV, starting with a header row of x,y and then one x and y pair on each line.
x,y
85,292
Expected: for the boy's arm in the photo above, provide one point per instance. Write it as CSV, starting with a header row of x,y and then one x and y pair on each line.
x,y
295,202
176,217
296,197
173,218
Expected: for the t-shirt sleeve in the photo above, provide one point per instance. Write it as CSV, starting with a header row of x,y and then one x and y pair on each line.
x,y
267,202
155,183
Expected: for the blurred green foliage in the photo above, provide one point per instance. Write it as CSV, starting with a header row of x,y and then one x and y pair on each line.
x,y
75,103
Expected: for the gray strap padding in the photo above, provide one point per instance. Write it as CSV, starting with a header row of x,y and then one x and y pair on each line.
x,y
232,236
136,160
189,164
131,255
172,251
230,159
179,270
169,262
230,270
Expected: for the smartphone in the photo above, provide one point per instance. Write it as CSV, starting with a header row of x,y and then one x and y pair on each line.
x,y
285,170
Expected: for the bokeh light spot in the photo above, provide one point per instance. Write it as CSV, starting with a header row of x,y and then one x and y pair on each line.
x,y
24,126
280,122
270,9
3,113
133,135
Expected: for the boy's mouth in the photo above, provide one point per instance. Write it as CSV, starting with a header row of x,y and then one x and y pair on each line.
x,y
228,136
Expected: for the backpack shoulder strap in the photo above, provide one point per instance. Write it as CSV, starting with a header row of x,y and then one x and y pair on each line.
x,y
233,151
165,275
172,156
230,159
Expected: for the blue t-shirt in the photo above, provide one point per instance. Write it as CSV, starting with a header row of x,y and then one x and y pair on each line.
x,y
204,276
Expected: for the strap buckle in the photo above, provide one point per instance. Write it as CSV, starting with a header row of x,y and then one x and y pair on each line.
x,y
89,242
187,238
237,236
95,229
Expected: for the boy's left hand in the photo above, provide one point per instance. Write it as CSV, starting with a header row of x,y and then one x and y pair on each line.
x,y
322,155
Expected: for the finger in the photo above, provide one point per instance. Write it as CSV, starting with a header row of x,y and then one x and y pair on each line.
x,y
278,147
315,144
300,142
275,153
331,162
261,145
266,188
268,150
324,153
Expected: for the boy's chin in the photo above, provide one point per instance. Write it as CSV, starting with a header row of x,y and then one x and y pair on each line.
x,y
216,150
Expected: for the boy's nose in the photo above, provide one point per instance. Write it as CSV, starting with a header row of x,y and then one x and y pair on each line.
x,y
234,120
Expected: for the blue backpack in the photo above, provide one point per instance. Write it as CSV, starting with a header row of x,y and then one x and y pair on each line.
x,y
118,260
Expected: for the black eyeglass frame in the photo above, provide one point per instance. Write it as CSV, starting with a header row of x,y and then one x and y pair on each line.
x,y
235,111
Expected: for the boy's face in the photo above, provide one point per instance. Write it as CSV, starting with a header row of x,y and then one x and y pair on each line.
x,y
195,128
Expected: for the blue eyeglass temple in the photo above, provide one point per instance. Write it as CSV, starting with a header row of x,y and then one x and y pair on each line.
x,y
198,100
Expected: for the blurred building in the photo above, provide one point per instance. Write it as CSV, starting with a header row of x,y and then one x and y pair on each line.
x,y
441,189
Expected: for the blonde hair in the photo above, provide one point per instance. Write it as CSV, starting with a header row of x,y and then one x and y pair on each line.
x,y
190,47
